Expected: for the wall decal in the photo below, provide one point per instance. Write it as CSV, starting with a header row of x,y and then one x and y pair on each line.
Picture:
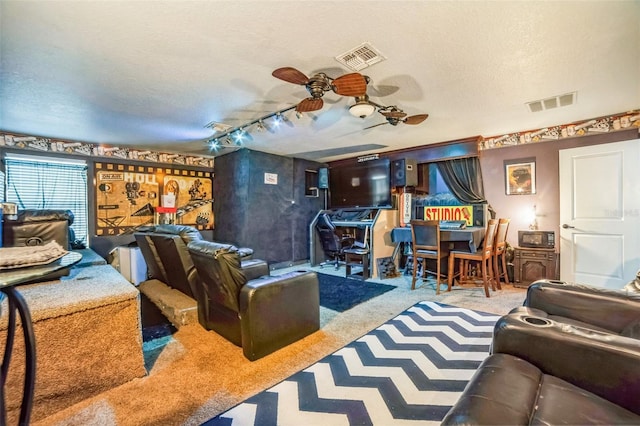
x,y
127,197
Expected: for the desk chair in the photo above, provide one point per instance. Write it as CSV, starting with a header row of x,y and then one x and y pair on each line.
x,y
425,240
333,244
483,256
500,252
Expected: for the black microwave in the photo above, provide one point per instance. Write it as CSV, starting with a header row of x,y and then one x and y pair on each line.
x,y
537,239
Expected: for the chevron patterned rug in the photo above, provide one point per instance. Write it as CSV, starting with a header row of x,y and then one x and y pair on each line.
x,y
410,370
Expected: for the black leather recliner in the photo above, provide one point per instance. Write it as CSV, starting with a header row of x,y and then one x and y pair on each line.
x,y
242,303
164,248
570,355
546,372
611,311
34,227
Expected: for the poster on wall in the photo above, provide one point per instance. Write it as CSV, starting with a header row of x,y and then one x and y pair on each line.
x,y
520,176
127,197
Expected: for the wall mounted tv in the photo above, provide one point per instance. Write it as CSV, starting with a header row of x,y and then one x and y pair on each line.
x,y
361,186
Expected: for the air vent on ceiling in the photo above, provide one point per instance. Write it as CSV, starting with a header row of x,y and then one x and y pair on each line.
x,y
218,127
360,57
552,102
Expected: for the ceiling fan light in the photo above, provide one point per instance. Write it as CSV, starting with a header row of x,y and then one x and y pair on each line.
x,y
362,109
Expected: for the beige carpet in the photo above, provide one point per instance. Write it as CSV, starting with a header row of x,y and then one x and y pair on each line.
x,y
199,374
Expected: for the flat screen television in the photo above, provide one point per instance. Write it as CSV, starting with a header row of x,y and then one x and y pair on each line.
x,y
361,185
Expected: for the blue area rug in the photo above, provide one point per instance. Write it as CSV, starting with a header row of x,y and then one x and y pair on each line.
x,y
410,370
340,293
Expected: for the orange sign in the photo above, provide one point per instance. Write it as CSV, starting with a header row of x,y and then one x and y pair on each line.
x,y
449,213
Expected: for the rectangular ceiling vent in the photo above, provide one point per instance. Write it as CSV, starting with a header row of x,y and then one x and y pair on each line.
x,y
360,57
218,127
553,102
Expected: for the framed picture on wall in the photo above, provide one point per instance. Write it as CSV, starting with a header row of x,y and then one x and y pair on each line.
x,y
520,176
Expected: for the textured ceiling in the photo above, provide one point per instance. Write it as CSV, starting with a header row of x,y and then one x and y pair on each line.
x,y
152,74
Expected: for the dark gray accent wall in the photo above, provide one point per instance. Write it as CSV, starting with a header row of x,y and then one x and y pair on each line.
x,y
272,219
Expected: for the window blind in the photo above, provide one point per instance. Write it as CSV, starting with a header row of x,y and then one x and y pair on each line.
x,y
49,183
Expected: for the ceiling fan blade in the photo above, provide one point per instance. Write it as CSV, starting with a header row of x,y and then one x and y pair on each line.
x,y
290,75
354,84
376,125
394,114
310,104
416,119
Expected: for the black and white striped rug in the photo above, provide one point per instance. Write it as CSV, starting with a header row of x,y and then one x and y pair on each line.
x,y
410,370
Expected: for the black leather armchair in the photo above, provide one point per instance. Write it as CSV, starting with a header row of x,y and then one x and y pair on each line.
x,y
611,311
34,227
242,303
546,372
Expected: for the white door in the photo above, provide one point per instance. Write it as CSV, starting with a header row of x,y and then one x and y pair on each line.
x,y
600,214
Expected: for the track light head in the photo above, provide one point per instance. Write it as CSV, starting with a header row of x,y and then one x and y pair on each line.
x,y
214,144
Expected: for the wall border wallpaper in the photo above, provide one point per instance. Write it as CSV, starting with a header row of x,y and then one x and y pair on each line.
x,y
609,123
38,143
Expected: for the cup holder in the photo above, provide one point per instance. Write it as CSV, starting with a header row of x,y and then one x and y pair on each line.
x,y
540,322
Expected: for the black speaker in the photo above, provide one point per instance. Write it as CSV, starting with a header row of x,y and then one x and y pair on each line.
x,y
480,214
323,178
404,172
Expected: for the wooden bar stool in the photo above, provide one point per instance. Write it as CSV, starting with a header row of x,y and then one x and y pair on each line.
x,y
483,256
425,243
500,252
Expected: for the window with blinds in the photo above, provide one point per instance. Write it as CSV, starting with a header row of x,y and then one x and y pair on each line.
x,y
49,183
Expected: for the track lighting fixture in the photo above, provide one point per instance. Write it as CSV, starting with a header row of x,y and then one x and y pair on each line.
x,y
239,134
214,144
238,137
277,121
285,120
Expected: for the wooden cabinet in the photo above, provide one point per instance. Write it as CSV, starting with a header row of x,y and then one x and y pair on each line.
x,y
531,264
